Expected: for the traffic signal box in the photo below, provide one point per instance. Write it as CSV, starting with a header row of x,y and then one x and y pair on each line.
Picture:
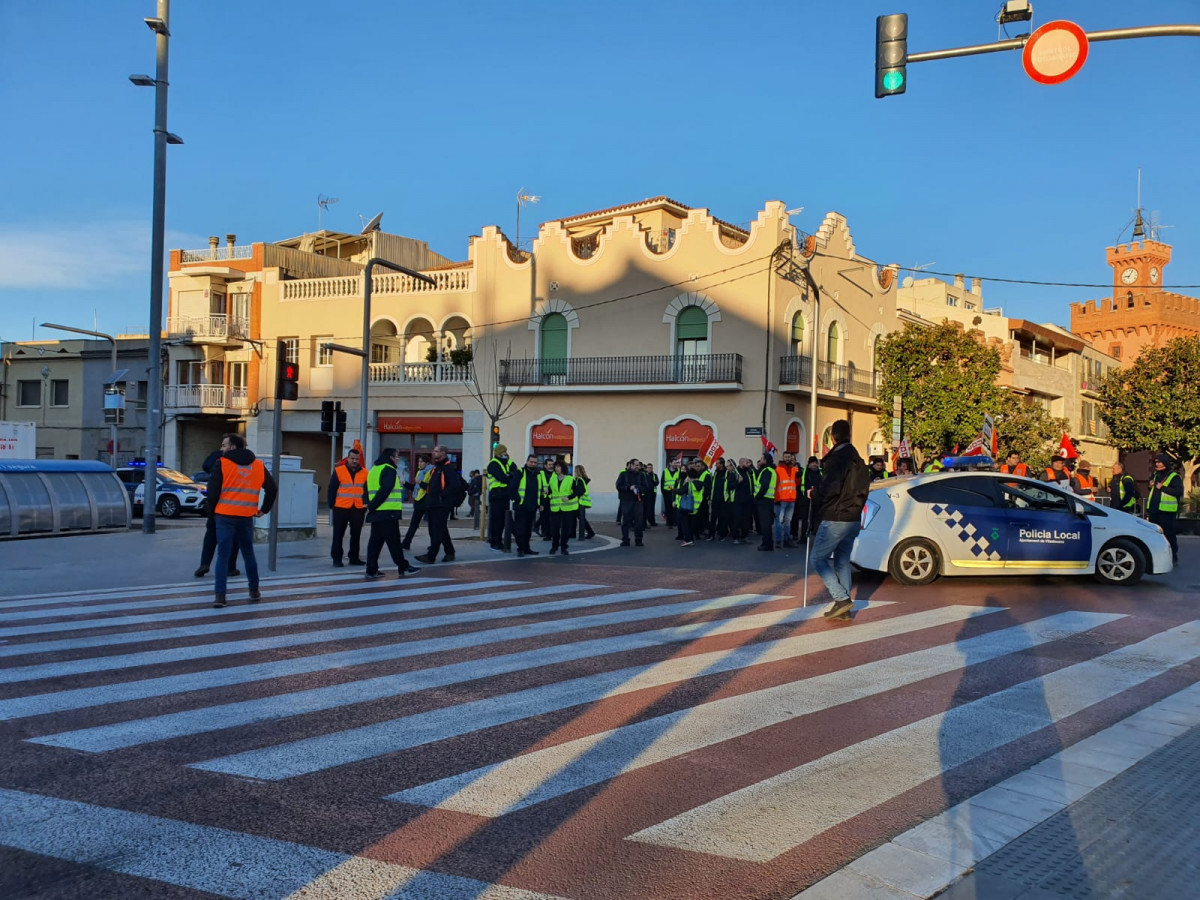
x,y
495,437
327,416
333,417
287,375
891,54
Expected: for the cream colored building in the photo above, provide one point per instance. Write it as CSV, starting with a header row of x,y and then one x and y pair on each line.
x,y
634,331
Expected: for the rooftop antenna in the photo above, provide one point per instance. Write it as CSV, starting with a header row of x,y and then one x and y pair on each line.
x,y
523,199
323,203
373,225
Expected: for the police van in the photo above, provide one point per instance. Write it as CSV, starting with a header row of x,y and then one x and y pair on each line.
x,y
971,520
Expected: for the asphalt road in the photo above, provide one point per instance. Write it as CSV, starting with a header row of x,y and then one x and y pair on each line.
x,y
633,723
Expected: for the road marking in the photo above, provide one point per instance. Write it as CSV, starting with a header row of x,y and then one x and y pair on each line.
x,y
102,738
535,777
357,744
217,860
763,820
375,629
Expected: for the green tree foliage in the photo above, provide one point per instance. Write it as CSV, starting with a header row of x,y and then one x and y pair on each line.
x,y
1155,403
947,378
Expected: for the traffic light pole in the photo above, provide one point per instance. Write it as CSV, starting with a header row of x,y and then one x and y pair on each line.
x,y
1018,43
276,453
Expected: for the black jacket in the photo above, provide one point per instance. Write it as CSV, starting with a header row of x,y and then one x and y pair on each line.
x,y
743,490
631,486
387,483
241,458
496,471
533,491
447,490
844,485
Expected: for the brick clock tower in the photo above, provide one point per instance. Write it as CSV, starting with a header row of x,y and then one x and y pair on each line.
x,y
1140,314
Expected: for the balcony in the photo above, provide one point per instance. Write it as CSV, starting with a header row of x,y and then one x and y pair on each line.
x,y
207,328
205,398
601,372
797,370
216,254
419,373
446,281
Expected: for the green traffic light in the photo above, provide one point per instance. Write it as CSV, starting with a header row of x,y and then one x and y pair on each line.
x,y
893,80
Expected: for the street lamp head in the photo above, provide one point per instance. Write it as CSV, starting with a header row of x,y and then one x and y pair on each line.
x,y
174,138
142,80
158,26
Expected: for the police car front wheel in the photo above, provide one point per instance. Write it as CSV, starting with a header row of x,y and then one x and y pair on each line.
x,y
1120,561
915,562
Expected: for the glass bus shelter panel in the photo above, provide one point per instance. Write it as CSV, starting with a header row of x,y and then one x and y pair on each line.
x,y
111,500
31,502
71,500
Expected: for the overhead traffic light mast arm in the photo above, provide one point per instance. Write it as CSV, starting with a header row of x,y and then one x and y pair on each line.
x,y
1111,34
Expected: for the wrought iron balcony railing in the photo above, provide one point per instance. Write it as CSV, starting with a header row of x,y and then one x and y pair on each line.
x,y
830,376
717,368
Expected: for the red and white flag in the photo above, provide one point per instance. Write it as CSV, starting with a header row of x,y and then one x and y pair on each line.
x,y
1066,449
768,447
975,448
712,450
905,451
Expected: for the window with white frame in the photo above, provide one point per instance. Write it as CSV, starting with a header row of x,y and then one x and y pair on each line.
x,y
291,349
322,353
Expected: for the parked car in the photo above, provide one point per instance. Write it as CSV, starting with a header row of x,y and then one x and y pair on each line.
x,y
176,492
990,523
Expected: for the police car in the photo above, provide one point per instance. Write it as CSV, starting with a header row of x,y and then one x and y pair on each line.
x,y
968,520
176,492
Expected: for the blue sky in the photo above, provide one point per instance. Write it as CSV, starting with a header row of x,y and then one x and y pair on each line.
x,y
437,113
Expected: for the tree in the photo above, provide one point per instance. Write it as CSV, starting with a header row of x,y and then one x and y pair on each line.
x,y
1155,403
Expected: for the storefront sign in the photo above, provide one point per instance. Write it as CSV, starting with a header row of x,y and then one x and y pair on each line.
x,y
686,435
552,433
419,425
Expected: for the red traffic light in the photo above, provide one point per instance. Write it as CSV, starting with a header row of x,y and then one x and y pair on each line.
x,y
291,372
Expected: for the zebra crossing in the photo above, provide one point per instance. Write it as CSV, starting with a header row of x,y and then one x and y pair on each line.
x,y
449,738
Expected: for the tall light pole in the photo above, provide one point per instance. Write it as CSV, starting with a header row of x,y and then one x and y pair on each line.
x,y
162,33
112,428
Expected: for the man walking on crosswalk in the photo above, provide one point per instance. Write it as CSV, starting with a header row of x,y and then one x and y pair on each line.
x,y
838,503
233,491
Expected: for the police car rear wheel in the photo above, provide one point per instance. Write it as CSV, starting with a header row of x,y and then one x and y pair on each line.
x,y
1120,561
915,562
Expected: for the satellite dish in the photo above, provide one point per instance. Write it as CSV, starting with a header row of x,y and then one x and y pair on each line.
x,y
373,225
907,282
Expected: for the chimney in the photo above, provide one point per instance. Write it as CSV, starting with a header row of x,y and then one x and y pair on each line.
x,y
975,289
958,282
213,242
230,240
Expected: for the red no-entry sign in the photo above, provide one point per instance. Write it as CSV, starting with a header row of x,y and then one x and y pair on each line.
x,y
1055,52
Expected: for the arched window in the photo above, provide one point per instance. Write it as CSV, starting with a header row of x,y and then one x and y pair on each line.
x,y
875,354
831,347
691,344
798,335
553,337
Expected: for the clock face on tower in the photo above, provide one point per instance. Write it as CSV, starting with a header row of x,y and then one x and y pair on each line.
x,y
1154,274
1129,276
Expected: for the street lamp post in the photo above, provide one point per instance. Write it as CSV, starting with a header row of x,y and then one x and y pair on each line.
x,y
162,33
366,339
112,429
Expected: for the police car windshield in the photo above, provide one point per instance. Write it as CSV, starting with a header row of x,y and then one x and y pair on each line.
x,y
172,475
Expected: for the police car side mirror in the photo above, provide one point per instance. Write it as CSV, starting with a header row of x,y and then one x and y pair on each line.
x,y
1079,508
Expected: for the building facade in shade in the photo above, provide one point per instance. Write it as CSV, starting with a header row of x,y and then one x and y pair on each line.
x,y
636,331
60,387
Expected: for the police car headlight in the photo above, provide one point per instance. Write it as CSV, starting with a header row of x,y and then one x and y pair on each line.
x,y
869,511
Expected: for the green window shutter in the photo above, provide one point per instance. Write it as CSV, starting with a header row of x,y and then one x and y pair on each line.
x,y
691,324
554,336
831,350
798,328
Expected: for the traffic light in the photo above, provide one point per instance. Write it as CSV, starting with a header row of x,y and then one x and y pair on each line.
x,y
287,374
327,415
891,54
495,437
339,419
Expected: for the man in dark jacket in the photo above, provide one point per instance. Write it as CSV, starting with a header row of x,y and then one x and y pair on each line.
x,y
446,490
838,503
1162,503
526,498
651,494
631,489
233,490
500,474
742,516
346,498
804,520
385,505
764,501
209,548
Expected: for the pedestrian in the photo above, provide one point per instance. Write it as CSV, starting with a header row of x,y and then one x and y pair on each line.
x,y
651,494
904,466
785,499
474,489
878,469
1057,473
802,522
419,488
1123,489
669,483
527,497
500,473
543,523
586,532
718,505
689,499
1162,505
446,490
565,491
764,501
1082,481
385,506
839,503
233,491
1014,466
208,548
702,524
631,488
739,482
347,501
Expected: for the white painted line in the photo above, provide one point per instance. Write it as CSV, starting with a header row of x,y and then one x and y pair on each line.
x,y
354,745
538,776
303,638
216,860
101,738
765,819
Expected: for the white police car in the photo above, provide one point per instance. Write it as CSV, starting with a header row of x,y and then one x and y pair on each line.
x,y
974,522
175,494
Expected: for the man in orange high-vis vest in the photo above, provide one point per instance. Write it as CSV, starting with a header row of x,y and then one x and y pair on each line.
x,y
347,499
786,475
1014,466
233,493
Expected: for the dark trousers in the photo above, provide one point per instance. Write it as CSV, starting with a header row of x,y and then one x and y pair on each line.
x,y
209,548
562,524
418,515
721,525
669,508
686,521
235,531
385,532
1166,521
341,518
701,521
648,505
741,519
439,531
585,527
543,520
497,507
523,517
633,516
765,513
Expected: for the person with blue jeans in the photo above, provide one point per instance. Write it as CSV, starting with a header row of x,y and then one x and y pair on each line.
x,y
234,491
838,503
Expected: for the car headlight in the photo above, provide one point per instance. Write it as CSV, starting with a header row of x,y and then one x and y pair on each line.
x,y
869,511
